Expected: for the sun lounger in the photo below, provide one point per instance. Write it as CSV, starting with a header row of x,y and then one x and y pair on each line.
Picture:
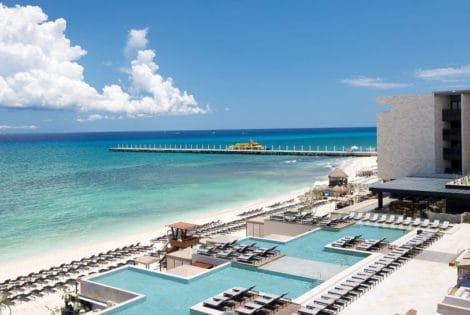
x,y
226,254
382,219
374,218
249,258
435,224
399,220
268,300
244,248
358,216
216,302
425,223
249,308
309,311
416,222
390,219
207,251
444,225
407,221
237,292
264,252
366,216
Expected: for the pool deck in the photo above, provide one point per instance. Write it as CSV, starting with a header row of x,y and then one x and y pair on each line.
x,y
420,284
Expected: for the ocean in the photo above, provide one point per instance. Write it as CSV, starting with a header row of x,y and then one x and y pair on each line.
x,y
62,190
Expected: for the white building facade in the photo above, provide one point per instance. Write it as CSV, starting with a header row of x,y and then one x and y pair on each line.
x,y
424,135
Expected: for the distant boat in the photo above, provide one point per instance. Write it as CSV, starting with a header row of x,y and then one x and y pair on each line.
x,y
252,145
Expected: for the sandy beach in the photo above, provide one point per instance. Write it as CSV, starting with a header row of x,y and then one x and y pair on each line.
x,y
26,265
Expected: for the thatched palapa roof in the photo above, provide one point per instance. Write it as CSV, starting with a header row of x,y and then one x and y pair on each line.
x,y
338,173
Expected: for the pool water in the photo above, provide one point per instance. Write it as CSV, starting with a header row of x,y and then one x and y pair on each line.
x,y
166,294
311,246
171,296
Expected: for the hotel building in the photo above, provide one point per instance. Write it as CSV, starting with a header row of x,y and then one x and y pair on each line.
x,y
423,148
424,135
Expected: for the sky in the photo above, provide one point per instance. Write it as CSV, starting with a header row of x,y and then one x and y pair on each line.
x,y
73,66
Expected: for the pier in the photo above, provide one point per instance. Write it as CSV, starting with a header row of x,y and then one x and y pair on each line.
x,y
331,151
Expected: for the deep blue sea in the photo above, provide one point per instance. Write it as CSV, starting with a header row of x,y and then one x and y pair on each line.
x,y
62,190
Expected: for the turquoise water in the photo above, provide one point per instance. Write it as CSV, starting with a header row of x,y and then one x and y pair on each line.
x,y
311,245
63,190
172,296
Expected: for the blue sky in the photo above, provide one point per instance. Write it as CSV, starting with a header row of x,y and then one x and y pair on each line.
x,y
243,64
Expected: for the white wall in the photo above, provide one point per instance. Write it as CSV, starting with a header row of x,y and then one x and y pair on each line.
x,y
285,228
406,136
254,229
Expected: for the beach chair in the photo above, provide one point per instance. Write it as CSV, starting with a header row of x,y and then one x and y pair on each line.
x,y
365,246
207,251
366,216
269,301
444,225
358,216
382,219
425,223
407,221
435,224
249,309
248,259
216,302
374,218
265,252
225,254
399,220
237,292
308,311
390,219
416,222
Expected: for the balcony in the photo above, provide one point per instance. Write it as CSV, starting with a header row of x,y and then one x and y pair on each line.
x,y
452,154
451,134
451,114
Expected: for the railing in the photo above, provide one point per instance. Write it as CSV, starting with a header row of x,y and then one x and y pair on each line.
x,y
212,147
451,114
451,133
452,153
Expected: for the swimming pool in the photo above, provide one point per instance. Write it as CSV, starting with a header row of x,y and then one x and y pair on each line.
x,y
166,294
311,245
174,296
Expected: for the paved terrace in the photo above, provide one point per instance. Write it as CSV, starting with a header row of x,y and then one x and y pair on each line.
x,y
420,284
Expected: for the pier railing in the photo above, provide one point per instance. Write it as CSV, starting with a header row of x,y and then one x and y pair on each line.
x,y
268,150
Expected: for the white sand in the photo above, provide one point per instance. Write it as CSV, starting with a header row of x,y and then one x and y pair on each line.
x,y
13,269
35,263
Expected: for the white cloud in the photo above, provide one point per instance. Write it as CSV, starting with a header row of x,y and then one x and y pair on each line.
x,y
444,74
96,117
4,127
376,83
136,39
40,69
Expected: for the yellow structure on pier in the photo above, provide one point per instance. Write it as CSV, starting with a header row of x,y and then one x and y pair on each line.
x,y
252,145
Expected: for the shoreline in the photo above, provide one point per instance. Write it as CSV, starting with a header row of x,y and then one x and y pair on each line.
x,y
27,264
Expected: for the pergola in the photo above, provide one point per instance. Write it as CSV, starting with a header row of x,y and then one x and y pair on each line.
x,y
179,234
146,260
